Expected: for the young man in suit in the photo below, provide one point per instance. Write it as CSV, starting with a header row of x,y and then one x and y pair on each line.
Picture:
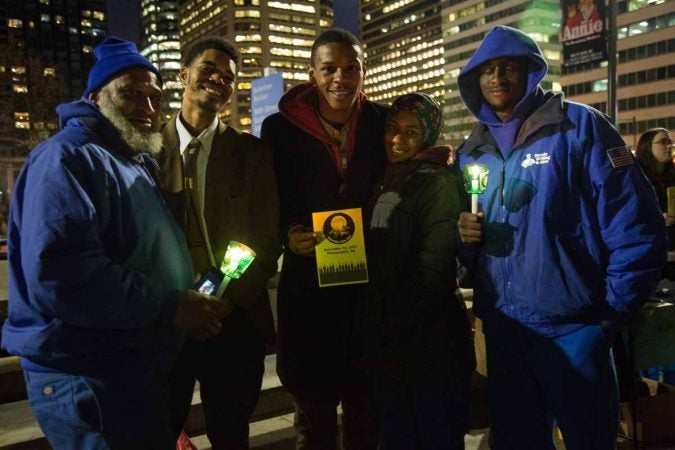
x,y
220,184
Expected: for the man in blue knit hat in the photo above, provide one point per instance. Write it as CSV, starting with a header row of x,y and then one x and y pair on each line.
x,y
568,243
100,273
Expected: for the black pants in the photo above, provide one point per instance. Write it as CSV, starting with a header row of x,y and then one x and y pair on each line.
x,y
315,422
229,368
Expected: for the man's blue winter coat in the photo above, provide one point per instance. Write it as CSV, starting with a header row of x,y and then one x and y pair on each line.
x,y
568,238
95,259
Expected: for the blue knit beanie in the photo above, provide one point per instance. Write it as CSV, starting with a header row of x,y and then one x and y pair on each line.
x,y
113,56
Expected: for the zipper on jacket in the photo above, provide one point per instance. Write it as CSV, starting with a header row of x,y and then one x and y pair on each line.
x,y
502,174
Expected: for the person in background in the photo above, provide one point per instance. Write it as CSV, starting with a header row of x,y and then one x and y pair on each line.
x,y
568,244
654,152
220,184
417,339
328,154
99,272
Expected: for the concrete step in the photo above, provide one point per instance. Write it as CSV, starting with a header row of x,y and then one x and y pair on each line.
x,y
12,385
278,434
275,433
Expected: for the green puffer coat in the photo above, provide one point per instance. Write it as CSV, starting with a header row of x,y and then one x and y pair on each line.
x,y
411,324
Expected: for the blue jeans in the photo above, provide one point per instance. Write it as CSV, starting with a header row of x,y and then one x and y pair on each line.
x,y
116,411
534,381
421,416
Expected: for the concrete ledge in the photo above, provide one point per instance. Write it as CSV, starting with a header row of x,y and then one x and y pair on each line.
x,y
12,385
18,428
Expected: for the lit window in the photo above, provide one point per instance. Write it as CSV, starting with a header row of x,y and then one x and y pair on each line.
x,y
247,13
86,49
247,38
600,86
245,121
170,65
552,55
169,84
294,6
98,15
22,125
14,23
250,50
244,85
58,20
44,2
45,18
21,116
86,13
86,23
19,70
49,72
20,88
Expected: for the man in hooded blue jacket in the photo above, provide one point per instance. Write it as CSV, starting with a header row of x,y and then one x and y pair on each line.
x,y
569,241
99,272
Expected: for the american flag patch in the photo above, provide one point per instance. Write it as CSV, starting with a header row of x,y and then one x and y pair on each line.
x,y
620,156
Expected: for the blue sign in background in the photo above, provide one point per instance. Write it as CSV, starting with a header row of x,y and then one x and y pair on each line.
x,y
265,95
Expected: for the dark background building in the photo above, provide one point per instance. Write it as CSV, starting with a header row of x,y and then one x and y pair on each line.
x,y
45,55
160,43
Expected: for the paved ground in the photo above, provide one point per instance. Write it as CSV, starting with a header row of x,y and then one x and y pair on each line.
x,y
277,434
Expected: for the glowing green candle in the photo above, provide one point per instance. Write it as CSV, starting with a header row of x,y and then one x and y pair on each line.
x,y
475,181
238,257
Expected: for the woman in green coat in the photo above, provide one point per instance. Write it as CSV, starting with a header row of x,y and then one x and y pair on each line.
x,y
415,335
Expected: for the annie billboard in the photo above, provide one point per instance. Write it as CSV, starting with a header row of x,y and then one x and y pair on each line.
x,y
583,35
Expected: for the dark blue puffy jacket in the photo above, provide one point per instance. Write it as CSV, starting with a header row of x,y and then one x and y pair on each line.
x,y
95,259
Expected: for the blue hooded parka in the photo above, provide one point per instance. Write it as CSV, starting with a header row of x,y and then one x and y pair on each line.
x,y
96,261
572,233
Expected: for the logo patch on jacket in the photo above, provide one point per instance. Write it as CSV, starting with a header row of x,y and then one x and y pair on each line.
x,y
620,156
537,158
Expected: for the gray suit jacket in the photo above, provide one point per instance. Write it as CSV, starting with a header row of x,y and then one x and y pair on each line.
x,y
240,203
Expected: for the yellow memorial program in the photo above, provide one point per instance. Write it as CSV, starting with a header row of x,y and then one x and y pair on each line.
x,y
341,252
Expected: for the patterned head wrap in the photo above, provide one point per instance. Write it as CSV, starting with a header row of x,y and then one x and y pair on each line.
x,y
428,112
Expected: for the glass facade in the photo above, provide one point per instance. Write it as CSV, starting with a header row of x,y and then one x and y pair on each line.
x,y
404,48
161,45
268,34
45,56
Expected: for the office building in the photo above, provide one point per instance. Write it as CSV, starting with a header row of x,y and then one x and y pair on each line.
x,y
45,43
403,44
160,43
45,56
465,23
270,35
646,70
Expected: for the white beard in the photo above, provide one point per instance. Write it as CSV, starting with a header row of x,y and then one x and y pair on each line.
x,y
138,141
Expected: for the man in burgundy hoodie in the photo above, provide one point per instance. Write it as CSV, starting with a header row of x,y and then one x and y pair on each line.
x,y
328,151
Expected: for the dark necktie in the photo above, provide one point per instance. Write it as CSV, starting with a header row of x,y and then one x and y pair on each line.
x,y
191,182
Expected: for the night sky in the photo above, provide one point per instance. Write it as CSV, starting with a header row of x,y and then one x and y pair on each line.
x,y
123,19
